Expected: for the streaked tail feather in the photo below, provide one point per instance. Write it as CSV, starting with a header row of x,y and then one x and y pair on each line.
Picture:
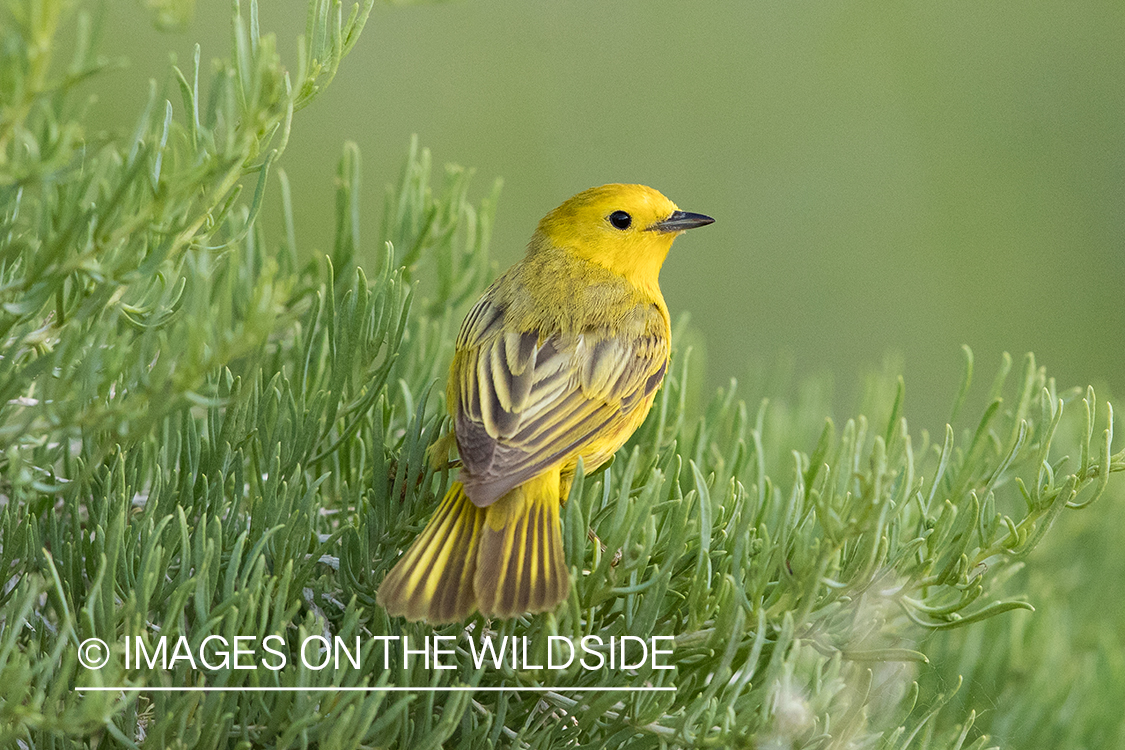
x,y
520,566
434,579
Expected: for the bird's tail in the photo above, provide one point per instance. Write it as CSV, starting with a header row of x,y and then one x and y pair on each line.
x,y
433,581
520,563
505,559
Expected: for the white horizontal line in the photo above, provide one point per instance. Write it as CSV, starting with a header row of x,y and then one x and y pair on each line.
x,y
388,689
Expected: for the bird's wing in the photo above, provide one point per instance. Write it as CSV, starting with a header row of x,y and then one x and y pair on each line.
x,y
523,401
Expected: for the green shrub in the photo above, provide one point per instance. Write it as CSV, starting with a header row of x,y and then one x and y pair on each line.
x,y
204,435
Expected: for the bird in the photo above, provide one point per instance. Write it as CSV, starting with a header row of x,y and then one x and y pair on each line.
x,y
559,360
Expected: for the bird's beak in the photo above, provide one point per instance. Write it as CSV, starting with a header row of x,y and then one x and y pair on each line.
x,y
681,220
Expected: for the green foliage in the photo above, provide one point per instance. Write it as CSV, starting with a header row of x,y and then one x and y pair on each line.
x,y
202,436
115,247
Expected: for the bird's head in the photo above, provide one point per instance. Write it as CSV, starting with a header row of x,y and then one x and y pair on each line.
x,y
627,229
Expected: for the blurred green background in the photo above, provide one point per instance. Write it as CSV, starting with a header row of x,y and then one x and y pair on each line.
x,y
886,177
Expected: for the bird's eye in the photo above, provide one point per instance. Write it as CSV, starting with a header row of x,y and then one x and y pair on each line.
x,y
620,219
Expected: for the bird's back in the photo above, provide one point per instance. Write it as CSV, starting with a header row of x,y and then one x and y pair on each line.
x,y
560,359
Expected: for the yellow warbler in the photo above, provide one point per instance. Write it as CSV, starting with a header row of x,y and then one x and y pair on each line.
x,y
559,360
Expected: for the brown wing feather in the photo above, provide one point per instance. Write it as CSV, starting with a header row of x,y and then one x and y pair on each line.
x,y
524,401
